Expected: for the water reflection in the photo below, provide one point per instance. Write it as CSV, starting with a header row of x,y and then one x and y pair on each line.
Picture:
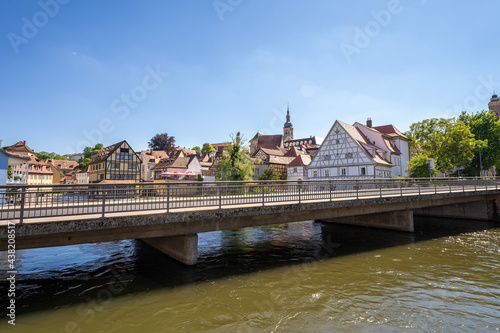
x,y
335,270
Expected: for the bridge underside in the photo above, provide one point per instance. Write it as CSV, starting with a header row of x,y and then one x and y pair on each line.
x,y
175,233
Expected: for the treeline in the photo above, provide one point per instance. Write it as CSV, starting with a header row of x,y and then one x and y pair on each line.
x,y
469,143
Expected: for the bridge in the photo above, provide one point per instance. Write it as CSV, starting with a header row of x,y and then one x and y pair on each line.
x,y
169,216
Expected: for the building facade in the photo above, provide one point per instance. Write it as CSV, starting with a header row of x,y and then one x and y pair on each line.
x,y
347,153
116,163
494,106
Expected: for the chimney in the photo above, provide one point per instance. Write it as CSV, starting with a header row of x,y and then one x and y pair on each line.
x,y
369,122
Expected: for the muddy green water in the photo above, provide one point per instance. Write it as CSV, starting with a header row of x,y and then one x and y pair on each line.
x,y
300,277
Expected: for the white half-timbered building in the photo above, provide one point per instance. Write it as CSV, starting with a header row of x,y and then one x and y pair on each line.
x,y
353,152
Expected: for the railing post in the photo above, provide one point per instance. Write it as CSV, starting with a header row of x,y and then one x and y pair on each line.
x,y
23,199
168,198
435,188
299,191
330,185
220,197
380,190
400,188
357,189
103,201
418,188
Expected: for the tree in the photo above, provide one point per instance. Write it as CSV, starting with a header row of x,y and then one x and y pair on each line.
x,y
207,148
271,174
197,150
234,164
418,167
43,155
162,142
449,141
484,127
82,163
88,152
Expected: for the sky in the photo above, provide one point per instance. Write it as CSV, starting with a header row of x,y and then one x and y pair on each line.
x,y
76,73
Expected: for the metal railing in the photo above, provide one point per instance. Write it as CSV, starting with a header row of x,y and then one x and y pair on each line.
x,y
21,202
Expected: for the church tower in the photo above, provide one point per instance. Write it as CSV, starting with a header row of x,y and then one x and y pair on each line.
x,y
494,106
287,127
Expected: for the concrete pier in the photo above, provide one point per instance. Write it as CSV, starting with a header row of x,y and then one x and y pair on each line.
x,y
397,220
183,248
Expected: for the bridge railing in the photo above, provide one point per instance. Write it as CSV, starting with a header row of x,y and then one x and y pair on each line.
x,y
22,202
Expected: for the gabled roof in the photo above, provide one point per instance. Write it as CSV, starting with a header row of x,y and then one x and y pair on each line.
x,y
300,160
180,162
391,131
280,160
15,159
274,152
64,164
19,147
269,141
105,152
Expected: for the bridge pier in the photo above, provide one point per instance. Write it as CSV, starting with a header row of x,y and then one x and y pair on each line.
x,y
486,209
398,220
183,248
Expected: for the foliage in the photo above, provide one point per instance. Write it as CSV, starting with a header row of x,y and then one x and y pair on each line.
x,y
82,163
88,152
449,141
200,178
271,174
43,155
234,164
419,168
484,127
207,148
9,172
162,142
197,150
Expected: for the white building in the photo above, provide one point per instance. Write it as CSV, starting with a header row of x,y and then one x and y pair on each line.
x,y
297,169
360,151
82,177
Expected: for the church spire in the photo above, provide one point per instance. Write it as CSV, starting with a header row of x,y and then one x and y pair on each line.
x,y
287,127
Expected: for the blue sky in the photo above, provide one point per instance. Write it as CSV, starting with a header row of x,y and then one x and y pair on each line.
x,y
75,73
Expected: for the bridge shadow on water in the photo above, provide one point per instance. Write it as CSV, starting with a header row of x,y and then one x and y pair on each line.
x,y
67,276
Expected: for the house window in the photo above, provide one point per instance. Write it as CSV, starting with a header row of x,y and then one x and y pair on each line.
x,y
327,157
337,141
315,174
115,165
327,173
348,155
343,171
295,170
124,150
363,171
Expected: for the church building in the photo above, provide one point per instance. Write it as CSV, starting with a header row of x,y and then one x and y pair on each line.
x,y
494,106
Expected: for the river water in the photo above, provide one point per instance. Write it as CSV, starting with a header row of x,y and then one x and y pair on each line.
x,y
298,277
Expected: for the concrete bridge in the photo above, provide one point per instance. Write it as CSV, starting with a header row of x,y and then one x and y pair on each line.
x,y
169,216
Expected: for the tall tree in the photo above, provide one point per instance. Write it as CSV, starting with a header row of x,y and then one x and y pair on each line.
x,y
418,167
449,141
88,152
43,155
484,127
234,164
207,148
197,150
162,142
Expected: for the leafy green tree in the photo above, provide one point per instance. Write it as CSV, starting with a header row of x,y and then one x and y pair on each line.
x,y
43,155
449,141
88,152
484,127
197,150
271,174
82,163
234,164
9,172
418,167
207,148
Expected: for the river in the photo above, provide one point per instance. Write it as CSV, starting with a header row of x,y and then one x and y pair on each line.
x,y
298,277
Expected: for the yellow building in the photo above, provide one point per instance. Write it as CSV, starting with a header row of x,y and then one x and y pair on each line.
x,y
114,164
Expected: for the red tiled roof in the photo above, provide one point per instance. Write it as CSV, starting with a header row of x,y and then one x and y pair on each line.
x,y
19,147
390,130
300,160
269,141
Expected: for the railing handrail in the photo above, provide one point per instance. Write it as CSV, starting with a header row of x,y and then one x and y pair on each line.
x,y
257,182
